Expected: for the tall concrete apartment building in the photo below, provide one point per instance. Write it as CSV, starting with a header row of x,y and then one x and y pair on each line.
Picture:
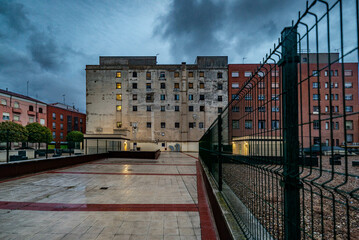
x,y
156,106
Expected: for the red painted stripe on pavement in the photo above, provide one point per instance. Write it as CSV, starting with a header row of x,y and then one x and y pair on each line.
x,y
98,207
190,155
159,164
145,174
207,225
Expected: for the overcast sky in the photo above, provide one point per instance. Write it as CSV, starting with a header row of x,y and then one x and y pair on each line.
x,y
49,43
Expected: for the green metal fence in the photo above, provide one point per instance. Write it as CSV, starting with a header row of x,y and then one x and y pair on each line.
x,y
284,151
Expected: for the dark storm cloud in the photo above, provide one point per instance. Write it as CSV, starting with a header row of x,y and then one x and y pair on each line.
x,y
206,27
14,18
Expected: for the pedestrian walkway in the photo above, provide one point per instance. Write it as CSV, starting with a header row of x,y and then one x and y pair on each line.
x,y
109,199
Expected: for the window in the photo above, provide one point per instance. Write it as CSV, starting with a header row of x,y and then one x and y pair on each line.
x,y
348,96
190,97
31,108
247,74
148,108
219,86
336,125
42,121
119,97
163,144
261,109
261,124
40,110
201,86
163,108
148,75
16,105
315,97
275,124
134,97
31,119
315,109
3,102
348,109
201,125
261,85
176,86
305,59
248,97
235,85
119,85
118,74
331,73
176,74
336,73
118,108
315,73
54,116
326,97
220,110
149,97
134,74
201,74
275,73
349,124
219,75
201,97
248,124
235,124
316,124
336,96
53,125
275,109
316,140
235,74
134,108
162,75
176,108
316,85
163,125
261,97
248,109
220,98
190,85
336,109
261,74
61,126
134,85
349,138
275,96
235,109
235,96
177,124
326,109
192,125
201,108
163,97
348,85
348,73
326,85
16,118
53,134
61,135
336,85
275,85
190,74
177,97
190,108
163,85
149,124
148,85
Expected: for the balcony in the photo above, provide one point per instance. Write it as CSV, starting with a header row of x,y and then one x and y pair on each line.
x,y
16,110
31,113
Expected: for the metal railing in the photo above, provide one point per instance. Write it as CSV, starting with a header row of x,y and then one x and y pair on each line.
x,y
281,152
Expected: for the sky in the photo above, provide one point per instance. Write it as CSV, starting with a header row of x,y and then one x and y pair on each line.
x,y
48,44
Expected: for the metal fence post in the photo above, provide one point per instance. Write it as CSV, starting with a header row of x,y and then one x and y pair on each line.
x,y
7,145
220,153
291,184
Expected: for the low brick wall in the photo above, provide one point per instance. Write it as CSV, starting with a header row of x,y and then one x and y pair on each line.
x,y
19,168
139,154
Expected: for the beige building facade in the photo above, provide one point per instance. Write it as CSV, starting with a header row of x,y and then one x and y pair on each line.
x,y
155,106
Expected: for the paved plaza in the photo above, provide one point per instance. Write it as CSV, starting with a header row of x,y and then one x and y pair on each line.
x,y
109,199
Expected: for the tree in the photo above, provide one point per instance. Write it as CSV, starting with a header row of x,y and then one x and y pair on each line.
x,y
38,133
12,132
73,137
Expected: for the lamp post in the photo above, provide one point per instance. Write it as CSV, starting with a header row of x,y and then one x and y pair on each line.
x,y
134,131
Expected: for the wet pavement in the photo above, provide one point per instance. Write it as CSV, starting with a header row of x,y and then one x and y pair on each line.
x,y
109,199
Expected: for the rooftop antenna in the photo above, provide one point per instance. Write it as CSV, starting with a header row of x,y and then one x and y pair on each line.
x,y
63,95
243,59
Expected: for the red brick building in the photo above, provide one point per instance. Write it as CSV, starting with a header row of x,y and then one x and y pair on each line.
x,y
343,95
63,119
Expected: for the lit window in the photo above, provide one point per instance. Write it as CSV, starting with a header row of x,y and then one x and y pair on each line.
x,y
118,86
118,108
148,75
190,74
119,97
235,74
201,74
118,74
201,85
